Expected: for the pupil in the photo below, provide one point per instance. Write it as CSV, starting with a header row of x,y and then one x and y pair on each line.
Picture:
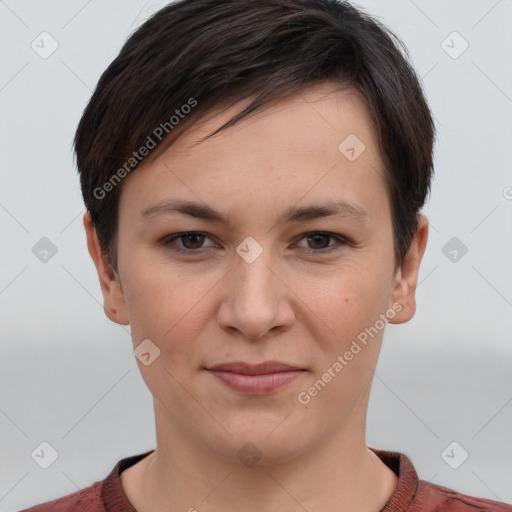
x,y
316,237
192,237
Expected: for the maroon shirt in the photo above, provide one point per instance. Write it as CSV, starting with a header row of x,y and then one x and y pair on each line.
x,y
411,495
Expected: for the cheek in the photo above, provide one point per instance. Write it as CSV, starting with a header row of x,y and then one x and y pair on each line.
x,y
168,312
345,303
350,304
166,307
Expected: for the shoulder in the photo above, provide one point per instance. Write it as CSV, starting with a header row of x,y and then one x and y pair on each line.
x,y
87,499
103,495
435,497
414,495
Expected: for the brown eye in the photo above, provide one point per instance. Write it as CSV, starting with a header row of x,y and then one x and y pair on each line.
x,y
187,243
319,242
192,240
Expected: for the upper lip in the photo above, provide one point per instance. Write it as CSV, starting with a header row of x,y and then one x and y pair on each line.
x,y
255,369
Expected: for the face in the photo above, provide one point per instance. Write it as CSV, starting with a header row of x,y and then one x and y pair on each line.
x,y
287,256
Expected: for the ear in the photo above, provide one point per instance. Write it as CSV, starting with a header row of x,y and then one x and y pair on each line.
x,y
113,296
406,278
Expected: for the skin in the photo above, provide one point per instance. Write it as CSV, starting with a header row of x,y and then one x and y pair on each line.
x,y
294,303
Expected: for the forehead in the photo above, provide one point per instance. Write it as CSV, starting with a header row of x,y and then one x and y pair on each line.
x,y
316,143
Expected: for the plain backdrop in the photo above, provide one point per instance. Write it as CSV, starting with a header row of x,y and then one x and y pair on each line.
x,y
68,376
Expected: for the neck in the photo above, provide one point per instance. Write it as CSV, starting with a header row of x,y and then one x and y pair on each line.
x,y
339,474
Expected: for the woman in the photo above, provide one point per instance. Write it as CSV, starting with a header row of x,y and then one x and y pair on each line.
x,y
283,151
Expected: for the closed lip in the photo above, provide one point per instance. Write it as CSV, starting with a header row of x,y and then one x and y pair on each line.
x,y
244,368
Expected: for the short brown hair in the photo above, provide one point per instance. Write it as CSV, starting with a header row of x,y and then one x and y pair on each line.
x,y
200,53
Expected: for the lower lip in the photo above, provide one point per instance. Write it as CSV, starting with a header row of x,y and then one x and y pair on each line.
x,y
256,384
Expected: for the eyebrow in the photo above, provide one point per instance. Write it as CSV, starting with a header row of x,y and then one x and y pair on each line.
x,y
341,207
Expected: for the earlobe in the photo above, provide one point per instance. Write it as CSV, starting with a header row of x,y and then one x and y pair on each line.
x,y
406,279
114,303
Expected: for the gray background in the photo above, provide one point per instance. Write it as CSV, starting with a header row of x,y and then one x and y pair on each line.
x,y
68,375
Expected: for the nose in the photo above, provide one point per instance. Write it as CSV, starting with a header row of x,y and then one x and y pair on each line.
x,y
257,298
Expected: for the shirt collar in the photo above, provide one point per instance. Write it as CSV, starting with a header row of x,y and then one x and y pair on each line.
x,y
115,500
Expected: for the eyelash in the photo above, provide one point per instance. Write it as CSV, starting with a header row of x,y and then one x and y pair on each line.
x,y
167,241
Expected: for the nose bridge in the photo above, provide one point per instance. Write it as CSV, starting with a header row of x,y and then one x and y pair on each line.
x,y
253,304
253,277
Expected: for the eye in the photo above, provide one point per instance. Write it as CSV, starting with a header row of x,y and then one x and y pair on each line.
x,y
191,241
318,240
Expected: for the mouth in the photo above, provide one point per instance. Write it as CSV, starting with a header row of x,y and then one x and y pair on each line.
x,y
256,379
